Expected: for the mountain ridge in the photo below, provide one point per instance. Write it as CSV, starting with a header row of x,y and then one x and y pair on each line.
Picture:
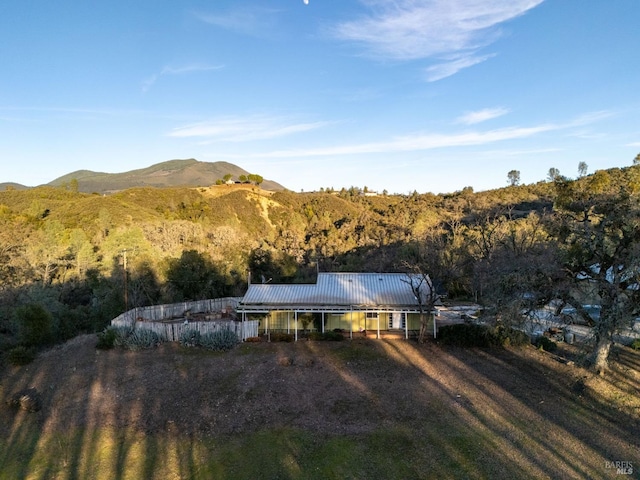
x,y
171,173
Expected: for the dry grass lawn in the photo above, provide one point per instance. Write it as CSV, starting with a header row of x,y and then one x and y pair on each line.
x,y
355,409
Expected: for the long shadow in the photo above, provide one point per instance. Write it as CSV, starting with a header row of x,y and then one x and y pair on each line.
x,y
426,400
440,413
507,376
595,425
479,414
625,361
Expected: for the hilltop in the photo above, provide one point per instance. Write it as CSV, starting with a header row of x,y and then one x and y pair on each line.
x,y
172,173
12,186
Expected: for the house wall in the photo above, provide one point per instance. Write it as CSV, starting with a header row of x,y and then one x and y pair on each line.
x,y
347,321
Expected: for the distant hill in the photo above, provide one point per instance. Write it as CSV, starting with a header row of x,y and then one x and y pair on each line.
x,y
11,186
173,173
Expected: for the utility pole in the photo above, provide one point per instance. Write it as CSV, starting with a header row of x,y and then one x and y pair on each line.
x,y
126,289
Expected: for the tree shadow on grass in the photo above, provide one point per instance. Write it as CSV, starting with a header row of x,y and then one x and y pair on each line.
x,y
359,409
564,432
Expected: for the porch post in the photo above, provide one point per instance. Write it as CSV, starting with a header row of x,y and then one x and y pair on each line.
x,y
322,322
295,315
242,326
351,324
434,326
378,325
288,321
406,326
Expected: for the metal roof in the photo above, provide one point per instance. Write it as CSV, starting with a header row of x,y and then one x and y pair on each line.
x,y
365,290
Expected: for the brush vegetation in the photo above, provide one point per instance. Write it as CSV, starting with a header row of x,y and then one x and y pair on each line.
x,y
71,261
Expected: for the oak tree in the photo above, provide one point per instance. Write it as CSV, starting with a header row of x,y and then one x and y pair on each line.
x,y
597,225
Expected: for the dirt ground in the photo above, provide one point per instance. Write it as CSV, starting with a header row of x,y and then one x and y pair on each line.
x,y
545,412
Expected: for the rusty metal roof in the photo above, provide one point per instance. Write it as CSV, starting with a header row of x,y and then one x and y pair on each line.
x,y
364,290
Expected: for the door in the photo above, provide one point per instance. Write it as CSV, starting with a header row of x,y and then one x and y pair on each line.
x,y
397,321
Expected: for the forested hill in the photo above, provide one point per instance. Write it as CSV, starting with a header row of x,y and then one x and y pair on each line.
x,y
173,173
50,236
62,251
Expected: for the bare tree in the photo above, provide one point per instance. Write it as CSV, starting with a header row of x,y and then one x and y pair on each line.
x,y
425,294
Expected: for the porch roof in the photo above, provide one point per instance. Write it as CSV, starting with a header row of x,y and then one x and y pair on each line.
x,y
335,291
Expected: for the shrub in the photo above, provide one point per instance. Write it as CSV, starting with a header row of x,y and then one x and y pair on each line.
x,y
281,337
465,335
219,341
546,344
71,322
21,355
142,338
472,335
635,344
121,335
106,339
253,339
329,335
333,336
510,337
190,338
36,325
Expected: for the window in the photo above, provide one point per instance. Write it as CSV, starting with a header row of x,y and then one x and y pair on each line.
x,y
372,315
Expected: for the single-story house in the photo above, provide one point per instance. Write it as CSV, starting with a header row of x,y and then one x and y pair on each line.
x,y
360,303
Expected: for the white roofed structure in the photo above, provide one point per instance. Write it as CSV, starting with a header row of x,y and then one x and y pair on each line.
x,y
332,291
374,296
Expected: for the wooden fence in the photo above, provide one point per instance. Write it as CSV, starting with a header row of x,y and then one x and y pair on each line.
x,y
225,307
205,316
172,331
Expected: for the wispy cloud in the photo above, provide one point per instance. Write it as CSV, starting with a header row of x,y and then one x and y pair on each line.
x,y
451,32
419,142
254,21
479,116
494,154
240,129
592,117
451,67
180,70
430,141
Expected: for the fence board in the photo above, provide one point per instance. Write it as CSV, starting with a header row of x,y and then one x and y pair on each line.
x,y
159,318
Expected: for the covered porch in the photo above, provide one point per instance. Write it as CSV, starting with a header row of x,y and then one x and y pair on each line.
x,y
352,322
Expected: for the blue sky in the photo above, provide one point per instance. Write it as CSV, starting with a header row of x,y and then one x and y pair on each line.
x,y
402,95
